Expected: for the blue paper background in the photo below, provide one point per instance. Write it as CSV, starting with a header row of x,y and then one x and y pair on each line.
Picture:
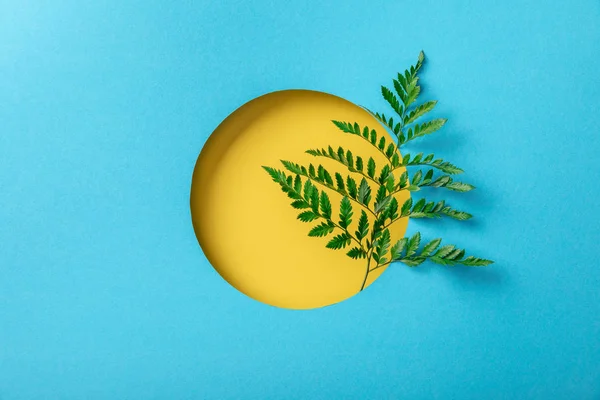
x,y
105,293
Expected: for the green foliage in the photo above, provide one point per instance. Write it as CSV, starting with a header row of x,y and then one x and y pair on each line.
x,y
424,209
364,193
382,244
407,252
374,190
419,130
363,226
345,213
340,241
391,98
370,135
323,229
429,160
356,253
418,112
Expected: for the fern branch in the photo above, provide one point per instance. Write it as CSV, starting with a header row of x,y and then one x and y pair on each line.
x,y
444,181
306,200
424,209
389,123
346,160
428,160
407,251
370,135
373,239
325,180
420,130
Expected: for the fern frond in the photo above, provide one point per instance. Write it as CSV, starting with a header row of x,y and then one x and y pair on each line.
x,y
364,193
406,85
325,205
363,226
446,255
420,130
321,176
344,157
339,241
356,253
307,216
370,135
382,244
424,209
323,229
428,160
413,244
372,237
345,213
392,100
419,111
389,123
426,179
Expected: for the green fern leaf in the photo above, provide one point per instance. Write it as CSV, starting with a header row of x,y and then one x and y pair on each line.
x,y
356,253
399,87
382,246
413,261
371,168
339,241
275,174
413,244
339,180
314,200
460,187
381,144
475,262
426,128
359,164
444,251
323,229
381,194
391,98
325,205
416,178
455,214
419,111
398,248
292,167
363,226
352,189
298,184
307,216
430,247
392,209
345,213
308,187
364,193
384,174
406,207
300,204
373,137
442,261
382,204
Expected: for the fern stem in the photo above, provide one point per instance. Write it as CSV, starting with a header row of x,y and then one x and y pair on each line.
x,y
379,266
366,274
392,221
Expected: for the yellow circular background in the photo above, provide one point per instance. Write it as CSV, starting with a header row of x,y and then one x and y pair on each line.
x,y
244,222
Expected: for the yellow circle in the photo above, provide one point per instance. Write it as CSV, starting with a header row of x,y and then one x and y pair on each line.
x,y
244,222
